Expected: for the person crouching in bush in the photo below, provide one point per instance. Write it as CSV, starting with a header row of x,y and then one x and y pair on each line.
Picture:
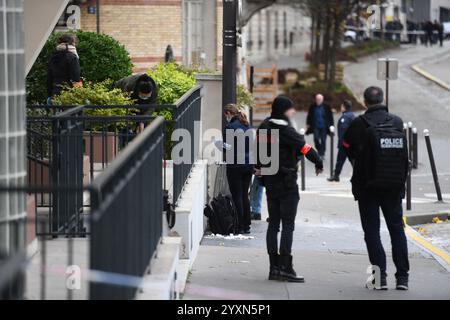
x,y
143,90
64,66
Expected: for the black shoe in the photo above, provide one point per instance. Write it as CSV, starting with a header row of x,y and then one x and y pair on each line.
x,y
402,284
246,231
334,179
256,216
287,272
274,273
381,286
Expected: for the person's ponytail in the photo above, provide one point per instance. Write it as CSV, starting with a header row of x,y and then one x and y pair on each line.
x,y
243,119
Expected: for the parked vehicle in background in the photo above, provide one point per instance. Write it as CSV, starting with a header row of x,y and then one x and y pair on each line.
x,y
354,35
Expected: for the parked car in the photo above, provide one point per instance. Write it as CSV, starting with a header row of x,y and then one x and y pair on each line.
x,y
352,35
447,29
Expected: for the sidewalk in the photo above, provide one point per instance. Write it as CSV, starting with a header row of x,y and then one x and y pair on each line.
x,y
328,250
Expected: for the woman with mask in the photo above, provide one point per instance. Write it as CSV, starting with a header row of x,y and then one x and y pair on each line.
x,y
239,167
64,66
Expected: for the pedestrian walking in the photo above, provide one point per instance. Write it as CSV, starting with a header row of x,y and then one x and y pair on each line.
x,y
239,173
256,197
440,31
64,66
282,189
318,122
344,122
429,33
377,146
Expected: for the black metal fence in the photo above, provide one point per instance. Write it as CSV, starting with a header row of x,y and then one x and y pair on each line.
x,y
186,116
127,213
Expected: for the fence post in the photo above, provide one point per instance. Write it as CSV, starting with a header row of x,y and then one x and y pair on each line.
x,y
303,163
426,132
415,143
252,85
332,129
410,143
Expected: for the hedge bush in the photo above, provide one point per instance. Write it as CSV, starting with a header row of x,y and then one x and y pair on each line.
x,y
172,82
97,94
101,58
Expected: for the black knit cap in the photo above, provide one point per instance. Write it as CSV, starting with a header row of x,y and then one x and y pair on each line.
x,y
280,105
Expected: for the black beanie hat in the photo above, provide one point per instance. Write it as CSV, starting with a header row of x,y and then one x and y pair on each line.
x,y
280,105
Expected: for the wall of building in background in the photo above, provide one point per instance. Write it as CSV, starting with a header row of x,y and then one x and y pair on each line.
x,y
276,31
423,10
12,126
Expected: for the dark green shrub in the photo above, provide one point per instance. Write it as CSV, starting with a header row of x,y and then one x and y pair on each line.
x,y
101,58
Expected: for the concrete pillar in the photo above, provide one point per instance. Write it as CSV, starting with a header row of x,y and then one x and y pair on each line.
x,y
12,135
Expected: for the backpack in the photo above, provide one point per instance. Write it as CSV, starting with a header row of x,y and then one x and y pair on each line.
x,y
222,215
387,155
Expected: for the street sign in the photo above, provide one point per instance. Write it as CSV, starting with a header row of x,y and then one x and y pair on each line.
x,y
387,69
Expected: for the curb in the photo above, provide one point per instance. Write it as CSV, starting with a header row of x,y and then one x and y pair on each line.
x,y
425,218
430,77
438,254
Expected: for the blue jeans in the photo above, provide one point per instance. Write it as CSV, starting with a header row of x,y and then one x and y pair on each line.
x,y
256,195
320,140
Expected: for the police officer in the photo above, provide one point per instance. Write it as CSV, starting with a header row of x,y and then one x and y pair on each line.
x,y
281,188
376,145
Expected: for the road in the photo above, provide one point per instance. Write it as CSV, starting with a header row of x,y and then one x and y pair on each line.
x,y
329,249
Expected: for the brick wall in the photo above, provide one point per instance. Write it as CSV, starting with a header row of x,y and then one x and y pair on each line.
x,y
145,27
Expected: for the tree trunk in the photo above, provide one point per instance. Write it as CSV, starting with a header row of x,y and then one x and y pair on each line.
x,y
317,42
335,48
326,43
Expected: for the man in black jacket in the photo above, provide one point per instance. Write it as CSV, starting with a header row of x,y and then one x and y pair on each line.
x,y
387,197
281,187
318,122
64,66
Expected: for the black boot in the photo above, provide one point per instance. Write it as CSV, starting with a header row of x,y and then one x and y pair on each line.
x,y
287,272
334,179
274,273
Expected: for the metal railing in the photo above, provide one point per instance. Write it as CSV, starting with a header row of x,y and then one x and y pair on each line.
x,y
186,116
127,213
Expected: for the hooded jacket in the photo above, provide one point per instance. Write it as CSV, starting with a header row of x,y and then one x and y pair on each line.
x,y
63,70
292,147
131,84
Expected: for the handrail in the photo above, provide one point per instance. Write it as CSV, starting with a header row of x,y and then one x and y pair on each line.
x,y
180,101
132,149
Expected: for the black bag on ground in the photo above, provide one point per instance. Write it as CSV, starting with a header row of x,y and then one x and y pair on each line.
x,y
387,155
222,215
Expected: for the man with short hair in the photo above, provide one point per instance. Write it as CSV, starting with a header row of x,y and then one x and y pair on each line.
x,y
376,145
318,122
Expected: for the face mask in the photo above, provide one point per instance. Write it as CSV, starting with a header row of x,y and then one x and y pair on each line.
x,y
145,97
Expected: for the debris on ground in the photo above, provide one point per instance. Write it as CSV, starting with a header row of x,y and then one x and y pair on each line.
x,y
229,237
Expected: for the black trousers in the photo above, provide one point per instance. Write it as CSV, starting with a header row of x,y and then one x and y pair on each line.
x,y
282,211
341,157
239,179
390,203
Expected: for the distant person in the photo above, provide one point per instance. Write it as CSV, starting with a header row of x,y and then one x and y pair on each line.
x,y
64,66
256,196
282,188
143,90
318,122
377,146
344,122
440,30
239,175
168,57
429,32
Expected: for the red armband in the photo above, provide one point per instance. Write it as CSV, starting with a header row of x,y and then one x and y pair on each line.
x,y
345,144
305,149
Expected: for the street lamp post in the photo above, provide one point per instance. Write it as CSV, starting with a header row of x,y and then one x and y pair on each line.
x,y
229,53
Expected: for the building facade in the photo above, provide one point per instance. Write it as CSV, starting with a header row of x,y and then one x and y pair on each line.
x,y
146,27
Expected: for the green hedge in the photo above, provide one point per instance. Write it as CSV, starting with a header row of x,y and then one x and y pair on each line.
x,y
101,58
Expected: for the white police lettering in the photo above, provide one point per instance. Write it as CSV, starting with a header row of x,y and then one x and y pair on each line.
x,y
391,143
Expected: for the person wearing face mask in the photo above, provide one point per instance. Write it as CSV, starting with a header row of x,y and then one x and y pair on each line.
x,y
143,90
239,168
282,188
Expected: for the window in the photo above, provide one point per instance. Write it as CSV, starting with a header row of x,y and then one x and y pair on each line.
x,y
192,32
